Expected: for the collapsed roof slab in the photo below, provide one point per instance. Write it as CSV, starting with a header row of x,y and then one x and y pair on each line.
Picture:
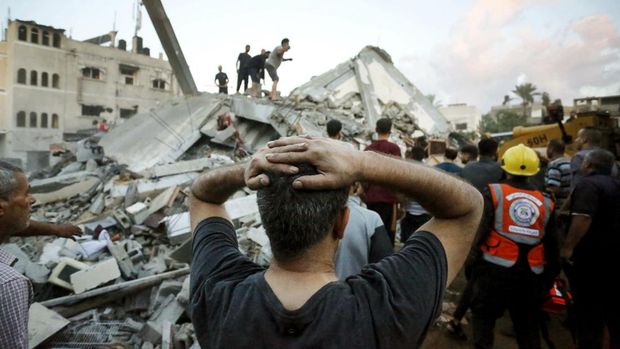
x,y
161,135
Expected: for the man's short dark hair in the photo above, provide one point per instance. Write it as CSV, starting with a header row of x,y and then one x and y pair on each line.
x,y
601,160
284,41
451,153
333,127
384,126
592,135
556,146
295,220
470,149
488,147
416,153
8,182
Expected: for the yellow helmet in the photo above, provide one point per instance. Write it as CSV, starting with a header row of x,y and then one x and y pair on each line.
x,y
520,161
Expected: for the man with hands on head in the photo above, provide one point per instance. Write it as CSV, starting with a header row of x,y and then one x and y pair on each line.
x,y
302,186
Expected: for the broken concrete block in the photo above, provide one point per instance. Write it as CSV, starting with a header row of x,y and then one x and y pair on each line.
x,y
151,332
98,204
37,273
139,211
183,252
178,228
96,275
122,258
167,336
61,275
170,310
123,220
183,295
108,222
42,324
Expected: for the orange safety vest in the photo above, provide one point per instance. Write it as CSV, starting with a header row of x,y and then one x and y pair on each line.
x,y
520,218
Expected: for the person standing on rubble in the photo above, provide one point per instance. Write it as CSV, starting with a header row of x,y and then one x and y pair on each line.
x,y
255,67
276,57
302,185
242,71
16,289
590,250
515,256
379,198
221,80
486,170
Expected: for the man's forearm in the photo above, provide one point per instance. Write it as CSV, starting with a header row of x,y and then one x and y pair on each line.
x,y
578,228
217,185
37,228
422,183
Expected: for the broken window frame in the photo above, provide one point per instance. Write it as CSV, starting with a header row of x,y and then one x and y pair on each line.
x,y
22,76
92,110
45,38
22,33
56,40
44,79
55,81
32,121
34,35
55,121
21,119
33,78
128,73
44,120
461,126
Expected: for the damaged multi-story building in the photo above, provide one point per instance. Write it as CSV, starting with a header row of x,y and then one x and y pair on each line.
x,y
53,88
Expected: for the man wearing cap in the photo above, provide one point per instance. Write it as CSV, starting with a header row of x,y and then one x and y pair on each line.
x,y
515,255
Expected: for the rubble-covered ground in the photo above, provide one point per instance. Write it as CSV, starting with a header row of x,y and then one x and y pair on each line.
x,y
125,282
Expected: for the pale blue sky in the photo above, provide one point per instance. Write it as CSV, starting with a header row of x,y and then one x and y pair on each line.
x,y
463,51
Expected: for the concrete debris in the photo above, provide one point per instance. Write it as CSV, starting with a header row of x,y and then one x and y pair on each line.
x,y
42,324
126,279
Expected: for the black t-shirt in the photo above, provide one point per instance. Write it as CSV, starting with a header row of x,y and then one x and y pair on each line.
x,y
243,59
598,196
257,62
221,78
390,304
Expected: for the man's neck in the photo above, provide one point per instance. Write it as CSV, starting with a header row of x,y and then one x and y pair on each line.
x,y
383,137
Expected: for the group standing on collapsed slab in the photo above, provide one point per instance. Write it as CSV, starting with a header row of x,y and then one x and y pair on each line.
x,y
254,68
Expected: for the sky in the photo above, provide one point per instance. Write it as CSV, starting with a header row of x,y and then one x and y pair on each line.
x,y
467,51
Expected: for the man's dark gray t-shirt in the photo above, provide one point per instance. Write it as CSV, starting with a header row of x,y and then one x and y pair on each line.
x,y
390,304
482,173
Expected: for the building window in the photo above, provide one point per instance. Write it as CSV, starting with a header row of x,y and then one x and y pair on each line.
x,y
33,77
461,126
56,42
55,81
46,38
128,73
91,110
44,120
91,73
159,84
44,79
54,120
34,35
21,119
33,119
22,33
127,113
21,76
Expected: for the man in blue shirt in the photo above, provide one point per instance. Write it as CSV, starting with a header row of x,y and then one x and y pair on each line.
x,y
448,164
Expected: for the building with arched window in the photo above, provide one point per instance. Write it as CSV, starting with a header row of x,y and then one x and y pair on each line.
x,y
59,86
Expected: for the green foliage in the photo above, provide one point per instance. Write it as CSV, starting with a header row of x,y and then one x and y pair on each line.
x,y
505,121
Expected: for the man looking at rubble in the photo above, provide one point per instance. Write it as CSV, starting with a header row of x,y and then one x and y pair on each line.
x,y
298,301
591,248
486,170
273,63
221,80
255,67
15,289
588,139
333,129
468,153
378,198
242,71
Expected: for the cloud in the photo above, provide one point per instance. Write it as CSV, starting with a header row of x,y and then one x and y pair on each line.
x,y
494,46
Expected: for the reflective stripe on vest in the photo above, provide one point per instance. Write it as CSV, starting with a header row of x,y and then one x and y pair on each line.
x,y
520,218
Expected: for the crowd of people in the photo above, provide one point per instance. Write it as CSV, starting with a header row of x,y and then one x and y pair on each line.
x,y
339,278
253,68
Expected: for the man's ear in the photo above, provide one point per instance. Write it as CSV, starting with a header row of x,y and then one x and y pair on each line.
x,y
341,223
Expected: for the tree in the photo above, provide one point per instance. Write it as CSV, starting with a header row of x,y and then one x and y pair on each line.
x,y
526,92
507,99
434,101
504,121
546,99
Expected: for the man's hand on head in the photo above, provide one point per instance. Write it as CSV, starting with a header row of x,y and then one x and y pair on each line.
x,y
338,164
254,175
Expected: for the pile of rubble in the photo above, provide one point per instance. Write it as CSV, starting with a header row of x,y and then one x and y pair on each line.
x,y
126,279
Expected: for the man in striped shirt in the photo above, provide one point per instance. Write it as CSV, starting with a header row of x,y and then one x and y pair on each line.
x,y
558,176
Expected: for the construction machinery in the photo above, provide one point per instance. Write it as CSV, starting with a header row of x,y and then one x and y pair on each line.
x,y
587,112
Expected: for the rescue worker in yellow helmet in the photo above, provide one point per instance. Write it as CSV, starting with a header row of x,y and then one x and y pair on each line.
x,y
515,256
